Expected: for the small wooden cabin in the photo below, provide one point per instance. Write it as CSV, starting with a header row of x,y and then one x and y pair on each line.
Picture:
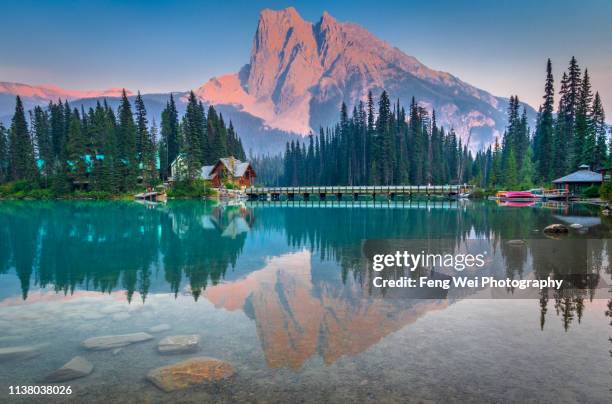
x,y
229,169
576,182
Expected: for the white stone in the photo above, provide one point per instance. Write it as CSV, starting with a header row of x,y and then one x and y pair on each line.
x,y
77,367
115,341
19,352
179,344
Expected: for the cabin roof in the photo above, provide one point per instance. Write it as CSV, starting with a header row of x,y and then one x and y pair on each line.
x,y
236,167
580,176
206,172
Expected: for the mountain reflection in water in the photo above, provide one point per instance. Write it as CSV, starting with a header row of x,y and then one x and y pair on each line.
x,y
294,268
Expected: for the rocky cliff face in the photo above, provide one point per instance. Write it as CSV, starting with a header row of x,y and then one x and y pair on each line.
x,y
299,73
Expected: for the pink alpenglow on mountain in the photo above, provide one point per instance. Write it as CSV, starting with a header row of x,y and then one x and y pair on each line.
x,y
53,93
299,73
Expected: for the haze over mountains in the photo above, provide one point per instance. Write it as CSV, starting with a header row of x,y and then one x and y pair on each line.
x,y
298,75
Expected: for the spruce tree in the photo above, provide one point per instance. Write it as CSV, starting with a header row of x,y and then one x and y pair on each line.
x,y
544,136
142,129
42,135
149,161
4,154
75,150
126,144
21,149
600,153
584,137
192,128
169,148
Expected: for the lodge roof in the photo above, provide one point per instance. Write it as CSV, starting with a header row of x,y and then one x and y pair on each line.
x,y
236,167
584,175
206,172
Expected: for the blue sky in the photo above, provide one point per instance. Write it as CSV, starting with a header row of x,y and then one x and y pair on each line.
x,y
500,46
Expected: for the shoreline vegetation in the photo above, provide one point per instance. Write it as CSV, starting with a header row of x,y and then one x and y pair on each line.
x,y
62,152
385,144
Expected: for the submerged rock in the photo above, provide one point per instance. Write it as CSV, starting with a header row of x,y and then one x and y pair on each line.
x,y
115,341
515,243
77,367
19,352
159,328
178,344
191,372
556,228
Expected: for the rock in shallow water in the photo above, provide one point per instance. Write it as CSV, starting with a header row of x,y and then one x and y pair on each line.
x,y
77,367
576,226
515,243
115,341
556,228
19,352
189,373
179,344
159,328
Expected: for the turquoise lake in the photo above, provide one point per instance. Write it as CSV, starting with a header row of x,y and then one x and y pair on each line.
x,y
278,291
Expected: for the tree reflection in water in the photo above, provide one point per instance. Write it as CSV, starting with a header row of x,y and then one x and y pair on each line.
x,y
107,246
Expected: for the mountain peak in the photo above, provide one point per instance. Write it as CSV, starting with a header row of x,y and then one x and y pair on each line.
x,y
300,73
327,18
289,14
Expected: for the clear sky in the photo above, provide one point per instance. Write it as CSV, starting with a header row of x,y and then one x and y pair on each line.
x,y
163,45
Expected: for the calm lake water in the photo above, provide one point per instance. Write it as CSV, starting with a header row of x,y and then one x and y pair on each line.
x,y
277,291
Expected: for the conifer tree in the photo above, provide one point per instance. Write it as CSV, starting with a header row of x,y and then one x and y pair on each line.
x,y
192,128
75,150
21,149
169,147
544,135
42,137
4,155
126,144
142,128
584,137
600,153
149,161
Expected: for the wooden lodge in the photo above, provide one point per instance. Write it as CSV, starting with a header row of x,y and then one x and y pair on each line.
x,y
227,169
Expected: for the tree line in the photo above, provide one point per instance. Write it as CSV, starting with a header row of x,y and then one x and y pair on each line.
x,y
392,146
388,147
62,147
574,135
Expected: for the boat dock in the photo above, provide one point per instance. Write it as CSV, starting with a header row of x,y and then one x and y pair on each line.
x,y
152,196
347,192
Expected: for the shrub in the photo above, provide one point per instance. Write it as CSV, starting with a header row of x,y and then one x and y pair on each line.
x,y
477,193
606,190
591,192
40,194
189,189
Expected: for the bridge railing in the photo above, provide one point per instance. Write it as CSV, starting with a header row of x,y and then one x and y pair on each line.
x,y
367,189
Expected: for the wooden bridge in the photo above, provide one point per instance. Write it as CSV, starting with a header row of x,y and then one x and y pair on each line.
x,y
339,192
